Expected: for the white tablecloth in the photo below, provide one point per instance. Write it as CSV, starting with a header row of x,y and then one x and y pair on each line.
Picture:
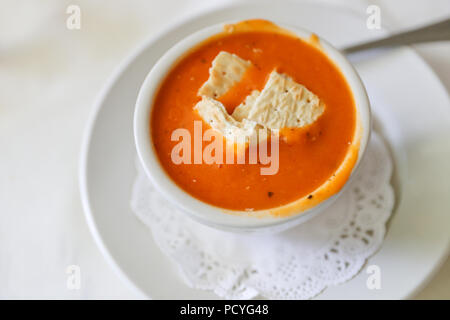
x,y
49,77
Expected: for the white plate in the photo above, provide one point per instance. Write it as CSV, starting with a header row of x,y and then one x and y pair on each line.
x,y
412,109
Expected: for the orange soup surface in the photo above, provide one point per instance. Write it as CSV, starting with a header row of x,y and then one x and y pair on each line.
x,y
305,163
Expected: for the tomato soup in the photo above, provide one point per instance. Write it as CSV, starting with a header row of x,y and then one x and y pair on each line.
x,y
306,162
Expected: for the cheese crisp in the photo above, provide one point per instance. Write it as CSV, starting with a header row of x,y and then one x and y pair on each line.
x,y
213,112
282,103
227,69
242,110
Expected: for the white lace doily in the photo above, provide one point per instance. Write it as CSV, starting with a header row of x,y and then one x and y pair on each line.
x,y
296,264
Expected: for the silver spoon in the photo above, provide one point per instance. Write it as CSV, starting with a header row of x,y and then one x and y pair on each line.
x,y
435,32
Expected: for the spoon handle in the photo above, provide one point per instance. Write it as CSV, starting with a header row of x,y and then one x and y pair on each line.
x,y
435,32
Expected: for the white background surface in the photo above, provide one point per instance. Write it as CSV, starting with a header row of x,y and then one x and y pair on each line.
x,y
49,77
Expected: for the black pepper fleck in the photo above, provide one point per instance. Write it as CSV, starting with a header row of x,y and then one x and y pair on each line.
x,y
269,194
310,196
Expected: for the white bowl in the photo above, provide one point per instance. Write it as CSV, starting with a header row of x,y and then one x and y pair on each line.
x,y
207,214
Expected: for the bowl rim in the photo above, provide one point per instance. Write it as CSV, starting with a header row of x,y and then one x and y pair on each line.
x,y
203,212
